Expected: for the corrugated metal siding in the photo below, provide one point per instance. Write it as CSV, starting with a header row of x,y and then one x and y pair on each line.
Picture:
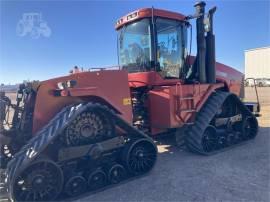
x,y
257,63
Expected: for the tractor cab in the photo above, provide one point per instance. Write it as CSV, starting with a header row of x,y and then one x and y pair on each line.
x,y
153,40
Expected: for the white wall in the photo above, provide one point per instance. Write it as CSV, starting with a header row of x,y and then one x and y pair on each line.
x,y
257,63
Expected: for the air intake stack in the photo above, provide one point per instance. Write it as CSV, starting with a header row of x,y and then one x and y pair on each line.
x,y
210,49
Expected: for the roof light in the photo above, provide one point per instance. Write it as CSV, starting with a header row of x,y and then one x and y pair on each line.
x,y
120,21
133,15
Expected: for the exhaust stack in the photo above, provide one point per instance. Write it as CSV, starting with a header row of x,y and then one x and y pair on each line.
x,y
201,44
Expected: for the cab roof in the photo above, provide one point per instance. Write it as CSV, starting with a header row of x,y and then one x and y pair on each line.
x,y
147,12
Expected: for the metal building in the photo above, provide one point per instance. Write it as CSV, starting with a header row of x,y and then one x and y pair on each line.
x,y
257,63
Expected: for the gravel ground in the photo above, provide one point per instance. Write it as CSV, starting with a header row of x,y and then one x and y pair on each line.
x,y
240,174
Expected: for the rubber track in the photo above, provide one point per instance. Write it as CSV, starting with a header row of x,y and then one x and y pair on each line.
x,y
51,131
193,135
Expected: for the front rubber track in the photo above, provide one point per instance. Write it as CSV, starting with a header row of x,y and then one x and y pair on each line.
x,y
35,146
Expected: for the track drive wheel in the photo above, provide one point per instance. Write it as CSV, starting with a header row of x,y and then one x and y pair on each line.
x,y
140,156
116,174
250,128
89,127
97,179
40,181
75,186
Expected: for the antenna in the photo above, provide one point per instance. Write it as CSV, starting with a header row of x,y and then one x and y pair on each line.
x,y
117,38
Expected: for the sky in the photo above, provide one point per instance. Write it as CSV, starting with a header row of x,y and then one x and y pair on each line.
x,y
82,33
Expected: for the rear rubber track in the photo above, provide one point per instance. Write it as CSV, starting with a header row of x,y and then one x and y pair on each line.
x,y
194,133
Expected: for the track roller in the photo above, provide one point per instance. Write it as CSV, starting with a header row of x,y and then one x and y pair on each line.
x,y
75,186
250,128
116,174
222,138
230,139
97,179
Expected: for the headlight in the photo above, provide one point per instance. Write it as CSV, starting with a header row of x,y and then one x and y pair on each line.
x,y
61,85
71,83
67,84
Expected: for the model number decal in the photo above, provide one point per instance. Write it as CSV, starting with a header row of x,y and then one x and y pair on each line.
x,y
127,101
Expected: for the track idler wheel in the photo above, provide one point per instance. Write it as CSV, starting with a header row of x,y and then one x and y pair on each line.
x,y
210,139
40,181
116,174
140,156
75,186
97,179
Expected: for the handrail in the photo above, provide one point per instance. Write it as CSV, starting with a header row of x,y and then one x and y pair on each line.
x,y
255,85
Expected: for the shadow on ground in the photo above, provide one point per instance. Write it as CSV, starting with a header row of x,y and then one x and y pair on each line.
x,y
241,173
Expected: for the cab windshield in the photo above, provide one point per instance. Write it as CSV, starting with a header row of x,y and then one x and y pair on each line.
x,y
135,46
139,50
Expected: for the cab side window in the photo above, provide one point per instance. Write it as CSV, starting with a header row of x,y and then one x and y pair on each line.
x,y
169,47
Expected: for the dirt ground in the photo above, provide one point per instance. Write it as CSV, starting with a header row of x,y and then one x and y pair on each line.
x,y
240,174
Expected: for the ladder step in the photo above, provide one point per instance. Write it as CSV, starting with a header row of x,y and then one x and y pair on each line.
x,y
188,110
186,98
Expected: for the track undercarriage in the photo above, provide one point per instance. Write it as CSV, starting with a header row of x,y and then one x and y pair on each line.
x,y
224,121
78,151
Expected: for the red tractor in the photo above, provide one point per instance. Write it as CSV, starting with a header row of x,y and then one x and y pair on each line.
x,y
88,130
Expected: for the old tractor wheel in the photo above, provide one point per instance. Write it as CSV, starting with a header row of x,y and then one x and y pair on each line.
x,y
97,179
250,127
75,186
140,156
210,139
116,174
89,127
40,181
